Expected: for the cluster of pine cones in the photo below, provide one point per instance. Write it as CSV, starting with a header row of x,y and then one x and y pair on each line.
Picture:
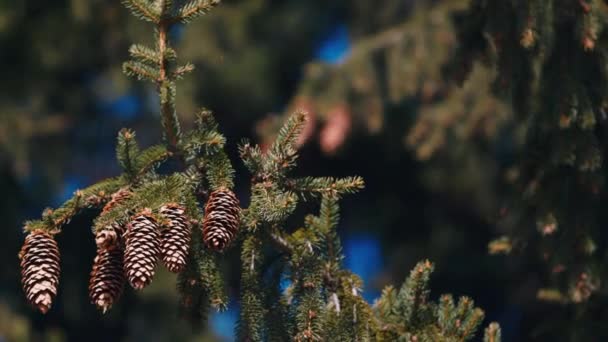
x,y
129,253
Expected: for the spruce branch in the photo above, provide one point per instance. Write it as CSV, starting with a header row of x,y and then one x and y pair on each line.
x,y
409,313
309,307
194,297
288,134
196,144
219,171
251,324
283,154
205,140
150,158
127,151
252,157
195,8
413,298
181,71
141,71
166,8
326,186
94,196
279,239
144,9
211,278
278,312
150,56
270,204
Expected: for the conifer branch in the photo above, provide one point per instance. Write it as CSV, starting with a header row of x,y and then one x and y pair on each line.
x,y
194,297
141,71
152,213
326,186
212,279
149,56
194,9
413,296
150,158
143,9
94,196
250,326
127,152
169,119
219,171
252,157
182,71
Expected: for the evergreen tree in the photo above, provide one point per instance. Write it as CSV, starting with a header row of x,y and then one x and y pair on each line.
x,y
150,213
551,63
532,71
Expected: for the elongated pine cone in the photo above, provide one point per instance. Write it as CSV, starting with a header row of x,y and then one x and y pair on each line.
x,y
40,269
142,250
107,278
222,219
175,239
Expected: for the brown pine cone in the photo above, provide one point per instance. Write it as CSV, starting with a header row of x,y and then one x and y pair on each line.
x,y
175,239
107,278
222,219
142,250
40,269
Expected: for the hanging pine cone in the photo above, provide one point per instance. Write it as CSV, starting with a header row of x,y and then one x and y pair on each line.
x,y
175,239
107,278
40,269
142,250
221,222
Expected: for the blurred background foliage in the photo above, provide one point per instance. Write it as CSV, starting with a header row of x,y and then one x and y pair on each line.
x,y
438,159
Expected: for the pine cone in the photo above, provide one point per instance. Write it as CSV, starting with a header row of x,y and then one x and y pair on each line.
x,y
109,237
107,278
175,239
40,269
142,250
221,222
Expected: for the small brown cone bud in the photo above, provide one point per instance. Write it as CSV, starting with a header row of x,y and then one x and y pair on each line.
x,y
222,219
117,198
40,269
107,278
175,239
109,237
142,250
